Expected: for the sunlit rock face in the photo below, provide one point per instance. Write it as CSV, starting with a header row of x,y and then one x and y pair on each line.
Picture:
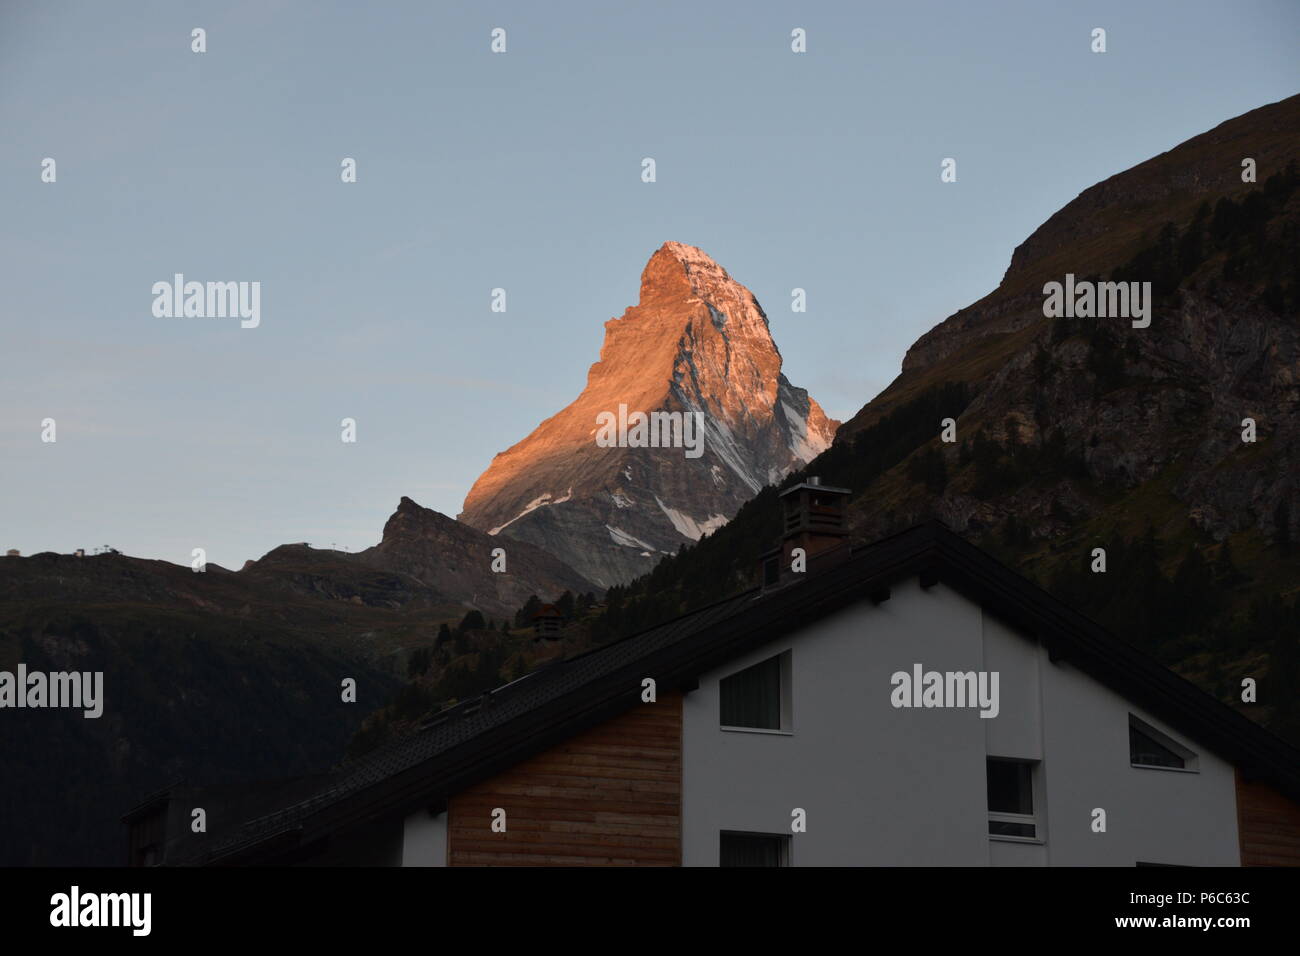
x,y
589,485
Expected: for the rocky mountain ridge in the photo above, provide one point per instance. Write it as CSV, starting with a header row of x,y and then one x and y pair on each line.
x,y
696,344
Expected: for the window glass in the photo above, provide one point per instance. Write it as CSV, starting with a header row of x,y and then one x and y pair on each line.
x,y
1010,789
749,849
1146,752
752,698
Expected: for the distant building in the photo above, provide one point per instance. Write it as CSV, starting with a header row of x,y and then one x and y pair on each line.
x,y
12,553
79,553
547,621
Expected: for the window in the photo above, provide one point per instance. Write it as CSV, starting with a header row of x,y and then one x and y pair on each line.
x,y
758,698
1148,747
754,849
1011,798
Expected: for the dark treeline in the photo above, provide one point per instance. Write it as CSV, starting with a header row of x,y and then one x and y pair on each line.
x,y
1191,612
1253,253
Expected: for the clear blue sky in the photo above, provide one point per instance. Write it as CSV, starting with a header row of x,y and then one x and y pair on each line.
x,y
522,171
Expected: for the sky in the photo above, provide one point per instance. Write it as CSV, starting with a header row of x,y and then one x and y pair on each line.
x,y
518,170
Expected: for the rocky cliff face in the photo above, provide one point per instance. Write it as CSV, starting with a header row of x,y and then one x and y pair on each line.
x,y
1110,221
1159,408
697,344
455,561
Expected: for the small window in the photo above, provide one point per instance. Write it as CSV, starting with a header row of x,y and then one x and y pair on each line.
x,y
754,849
1148,747
148,855
1011,798
757,698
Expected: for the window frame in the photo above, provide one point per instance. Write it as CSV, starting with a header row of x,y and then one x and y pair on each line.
x,y
1036,819
1191,760
785,707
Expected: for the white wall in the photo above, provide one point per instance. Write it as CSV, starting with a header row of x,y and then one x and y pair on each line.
x,y
886,786
880,786
1153,816
424,841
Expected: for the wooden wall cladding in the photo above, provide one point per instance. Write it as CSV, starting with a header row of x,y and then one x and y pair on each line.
x,y
1268,825
611,796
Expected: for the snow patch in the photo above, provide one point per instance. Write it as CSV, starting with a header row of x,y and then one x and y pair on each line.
x,y
687,526
623,539
804,444
723,444
541,501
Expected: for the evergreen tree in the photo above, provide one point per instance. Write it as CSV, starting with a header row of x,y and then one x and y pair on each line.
x,y
524,616
565,605
419,662
1282,526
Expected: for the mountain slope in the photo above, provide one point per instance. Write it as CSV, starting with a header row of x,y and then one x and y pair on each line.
x,y
209,676
1074,434
697,343
454,559
224,676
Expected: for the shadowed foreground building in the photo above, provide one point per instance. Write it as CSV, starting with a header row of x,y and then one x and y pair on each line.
x,y
779,704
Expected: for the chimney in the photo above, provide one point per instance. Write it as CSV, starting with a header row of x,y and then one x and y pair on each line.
x,y
812,519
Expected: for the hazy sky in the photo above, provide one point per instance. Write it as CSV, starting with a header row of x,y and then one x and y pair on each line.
x,y
520,171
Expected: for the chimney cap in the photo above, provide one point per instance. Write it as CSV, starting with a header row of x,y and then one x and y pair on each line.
x,y
815,484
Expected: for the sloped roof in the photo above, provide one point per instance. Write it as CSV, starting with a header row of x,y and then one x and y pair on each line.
x,y
487,734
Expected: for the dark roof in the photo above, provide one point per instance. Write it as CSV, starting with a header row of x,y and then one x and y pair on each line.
x,y
487,734
814,486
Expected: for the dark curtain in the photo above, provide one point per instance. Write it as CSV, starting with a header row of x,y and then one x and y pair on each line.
x,y
752,698
745,850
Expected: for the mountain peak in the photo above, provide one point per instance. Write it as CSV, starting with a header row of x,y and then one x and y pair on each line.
x,y
454,562
677,271
696,344
700,269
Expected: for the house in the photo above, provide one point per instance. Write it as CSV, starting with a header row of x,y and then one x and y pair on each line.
x,y
912,702
548,621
